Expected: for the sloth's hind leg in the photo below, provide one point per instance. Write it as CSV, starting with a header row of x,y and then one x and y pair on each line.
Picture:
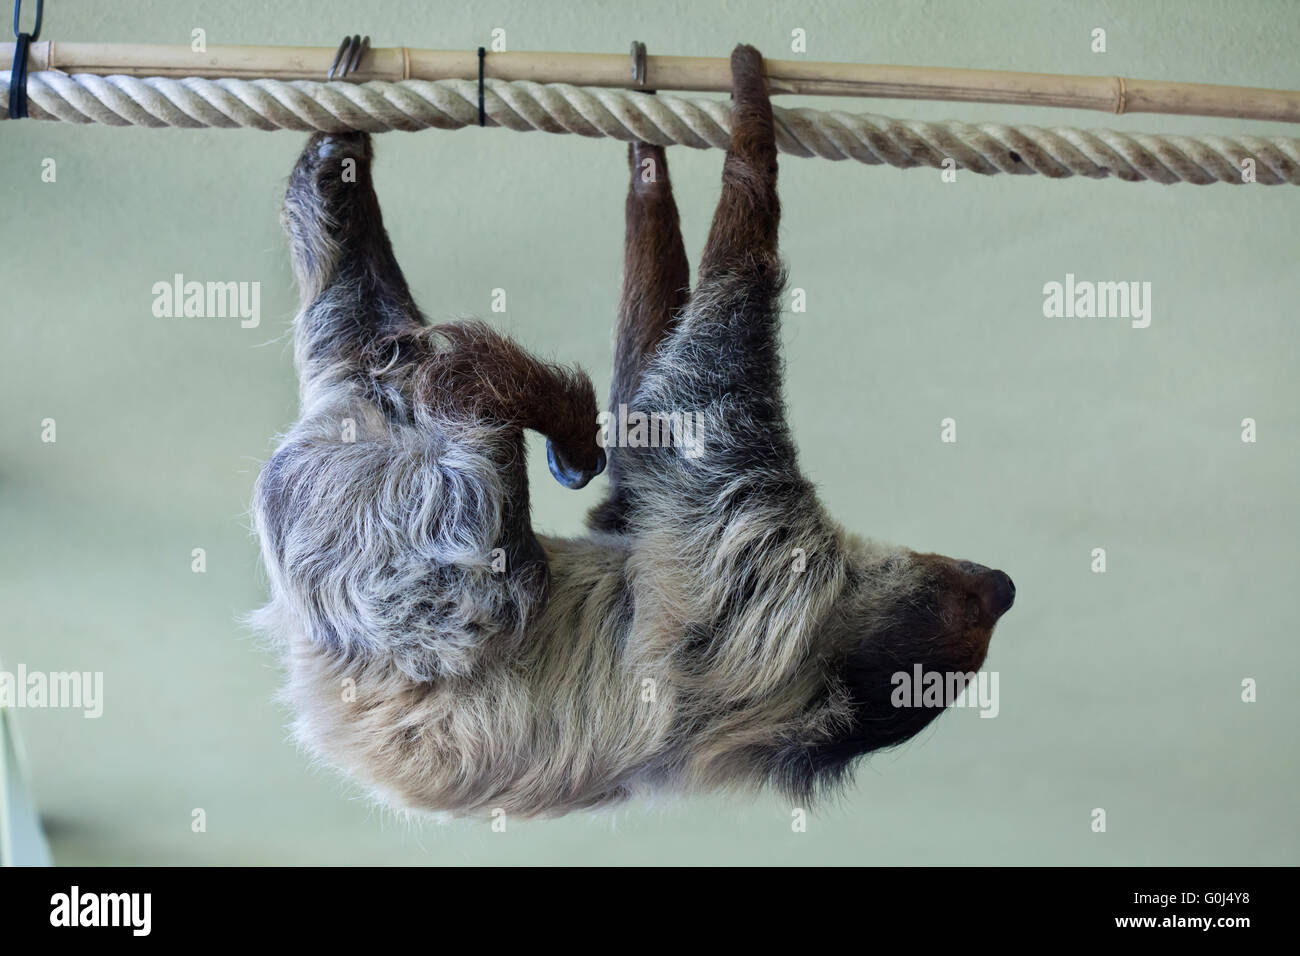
x,y
718,373
742,239
722,359
656,275
656,287
736,310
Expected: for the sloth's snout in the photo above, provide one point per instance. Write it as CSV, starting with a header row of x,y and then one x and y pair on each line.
x,y
1002,593
995,589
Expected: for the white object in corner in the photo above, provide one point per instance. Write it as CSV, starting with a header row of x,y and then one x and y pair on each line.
x,y
22,841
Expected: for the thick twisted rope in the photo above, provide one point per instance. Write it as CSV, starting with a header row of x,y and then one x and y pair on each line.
x,y
985,148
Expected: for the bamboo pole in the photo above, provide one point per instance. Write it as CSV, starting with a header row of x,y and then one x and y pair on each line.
x,y
1109,94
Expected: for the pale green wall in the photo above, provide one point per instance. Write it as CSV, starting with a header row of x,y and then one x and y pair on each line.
x,y
1118,691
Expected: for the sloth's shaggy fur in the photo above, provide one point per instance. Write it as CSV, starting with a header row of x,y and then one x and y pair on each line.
x,y
685,643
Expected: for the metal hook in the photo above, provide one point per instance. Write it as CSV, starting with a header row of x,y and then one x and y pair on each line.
x,y
18,69
638,63
40,15
348,57
638,66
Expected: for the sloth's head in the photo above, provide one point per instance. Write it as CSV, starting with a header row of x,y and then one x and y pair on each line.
x,y
907,619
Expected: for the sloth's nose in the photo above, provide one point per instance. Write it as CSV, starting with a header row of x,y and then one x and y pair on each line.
x,y
995,589
1002,593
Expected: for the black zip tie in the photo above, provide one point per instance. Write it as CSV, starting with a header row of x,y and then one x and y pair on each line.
x,y
18,72
482,116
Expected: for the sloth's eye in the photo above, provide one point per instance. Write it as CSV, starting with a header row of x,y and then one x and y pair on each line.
x,y
972,609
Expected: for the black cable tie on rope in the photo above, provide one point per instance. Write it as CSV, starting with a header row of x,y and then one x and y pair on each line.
x,y
482,115
18,72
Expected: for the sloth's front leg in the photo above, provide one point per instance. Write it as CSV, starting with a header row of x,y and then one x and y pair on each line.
x,y
743,235
358,321
335,226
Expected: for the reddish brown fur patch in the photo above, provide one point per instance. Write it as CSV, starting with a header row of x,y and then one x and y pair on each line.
x,y
743,234
484,376
656,273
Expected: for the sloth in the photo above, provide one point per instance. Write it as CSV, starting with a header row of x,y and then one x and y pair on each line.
x,y
714,629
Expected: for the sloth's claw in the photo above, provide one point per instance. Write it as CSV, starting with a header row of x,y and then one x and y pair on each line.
x,y
348,57
566,474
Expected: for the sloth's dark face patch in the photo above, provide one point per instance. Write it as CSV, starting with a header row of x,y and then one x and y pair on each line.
x,y
967,600
936,632
942,628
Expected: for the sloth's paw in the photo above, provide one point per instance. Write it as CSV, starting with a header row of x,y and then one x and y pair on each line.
x,y
568,474
331,178
331,149
649,169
